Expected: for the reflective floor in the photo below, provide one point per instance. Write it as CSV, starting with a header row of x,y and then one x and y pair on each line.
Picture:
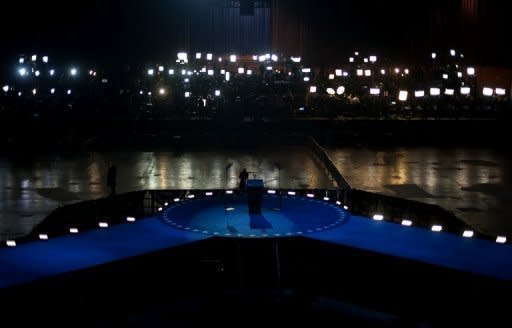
x,y
475,184
33,186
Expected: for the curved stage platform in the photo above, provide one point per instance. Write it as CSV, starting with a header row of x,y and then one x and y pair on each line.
x,y
229,216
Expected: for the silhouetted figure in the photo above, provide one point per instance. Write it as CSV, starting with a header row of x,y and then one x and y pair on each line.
x,y
112,179
244,175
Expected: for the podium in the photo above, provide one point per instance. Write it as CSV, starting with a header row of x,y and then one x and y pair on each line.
x,y
254,195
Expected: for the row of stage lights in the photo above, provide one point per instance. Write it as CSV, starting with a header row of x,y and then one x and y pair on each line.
x,y
376,217
403,95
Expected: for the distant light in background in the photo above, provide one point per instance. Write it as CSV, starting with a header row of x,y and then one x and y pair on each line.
x,y
367,72
249,72
187,94
162,91
183,57
383,71
151,71
34,91
468,234
198,55
52,72
407,223
69,92
73,71
37,73
331,91
373,59
161,68
5,88
306,70
445,76
351,59
449,92
306,79
34,58
45,59
459,75
217,93
453,52
241,70
312,89
21,60
232,58
437,228
210,72
331,76
209,56
500,92
501,239
338,72
419,93
488,92
52,91
171,72
228,76
465,90
296,59
434,55
471,71
10,243
22,71
435,91
359,72
340,90
397,70
403,95
378,217
274,58
43,236
374,91
365,60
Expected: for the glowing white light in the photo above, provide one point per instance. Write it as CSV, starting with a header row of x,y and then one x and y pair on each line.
x,y
378,217
183,57
338,202
249,72
406,71
209,193
43,236
241,70
220,59
374,91
209,56
52,91
192,196
229,192
186,80
351,59
435,91
453,52
292,193
162,91
103,225
437,228
217,93
367,72
338,72
465,90
222,71
340,90
471,71
73,230
331,91
434,55
488,92
301,109
310,195
228,76
34,91
271,192
459,75
268,56
45,59
345,74
150,93
69,91
34,58
501,239
500,91
160,209
306,70
203,70
232,58
210,72
73,71
468,234
189,73
52,72
176,200
383,72
198,55
356,53
407,223
449,92
5,88
19,94
130,219
10,243
326,199
331,76
306,79
312,89
373,59
21,60
37,73
262,58
274,58
403,95
187,94
161,68
151,71
345,207
359,72
22,71
419,93
397,70
296,59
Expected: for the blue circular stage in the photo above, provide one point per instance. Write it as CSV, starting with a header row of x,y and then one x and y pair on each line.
x,y
230,217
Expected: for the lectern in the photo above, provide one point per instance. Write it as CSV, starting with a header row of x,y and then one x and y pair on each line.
x,y
254,195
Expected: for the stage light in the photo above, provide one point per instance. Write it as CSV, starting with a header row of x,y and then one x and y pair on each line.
x,y
345,207
68,92
5,88
306,79
176,200
397,70
338,72
449,92
160,68
34,58
326,199
345,74
274,58
453,52
189,73
310,195
459,75
208,193
222,71
203,70
331,76
500,91
45,59
373,59
501,240
104,81
150,93
37,73
437,228
73,230
312,89
331,91
229,192
292,193
232,58
262,58
210,72
268,56
217,93
198,55
187,94
34,91
301,109
21,60
151,71
192,196
419,93
271,192
162,91
471,71
209,56
186,80
296,59
351,59
19,94
306,70
340,90
356,53
220,59
249,72
488,92
407,223
468,234
241,70
403,95
183,57
365,60
255,57
52,91
90,72
22,71
378,217
435,91
338,202
52,72
73,71
359,72
406,71
130,219
160,209
383,72
434,55
374,91
228,76
367,72
103,225
465,90
10,243
43,236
